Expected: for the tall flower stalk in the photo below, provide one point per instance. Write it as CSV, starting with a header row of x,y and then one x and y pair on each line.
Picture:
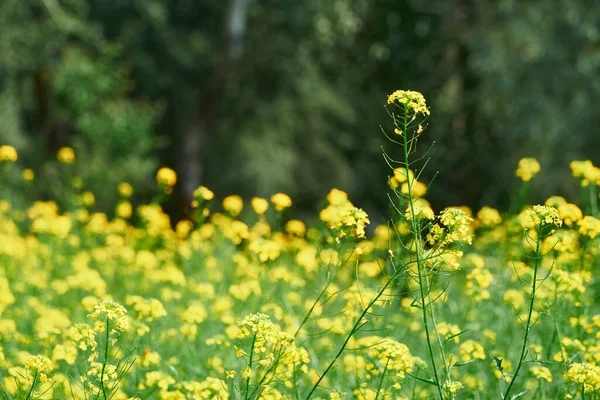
x,y
543,221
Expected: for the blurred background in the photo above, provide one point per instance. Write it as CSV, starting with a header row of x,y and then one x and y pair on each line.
x,y
261,96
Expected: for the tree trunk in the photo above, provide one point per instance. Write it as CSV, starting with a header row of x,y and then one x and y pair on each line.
x,y
191,167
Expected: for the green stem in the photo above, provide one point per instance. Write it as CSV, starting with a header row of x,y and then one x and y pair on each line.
x,y
355,328
417,239
32,385
382,377
593,199
249,367
105,360
531,303
312,308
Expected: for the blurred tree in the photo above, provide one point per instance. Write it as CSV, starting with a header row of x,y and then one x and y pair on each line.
x,y
67,86
281,95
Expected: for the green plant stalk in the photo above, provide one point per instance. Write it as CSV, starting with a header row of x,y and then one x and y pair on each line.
x,y
439,340
32,385
420,267
382,378
355,328
531,303
249,367
329,281
593,199
105,359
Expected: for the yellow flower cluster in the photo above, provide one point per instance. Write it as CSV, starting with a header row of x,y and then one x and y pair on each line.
x,y
39,365
586,172
454,225
342,217
584,374
589,226
8,153
540,216
488,216
411,100
112,314
281,201
66,155
541,373
166,177
527,169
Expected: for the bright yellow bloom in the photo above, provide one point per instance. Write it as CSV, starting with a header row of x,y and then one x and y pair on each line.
x,y
114,313
527,169
542,373
124,210
569,213
584,374
166,177
125,189
488,216
8,153
204,193
413,101
540,215
259,205
233,204
28,174
66,155
281,201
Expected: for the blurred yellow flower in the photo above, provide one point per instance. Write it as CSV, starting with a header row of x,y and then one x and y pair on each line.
x,y
281,201
8,153
66,155
166,177
125,189
260,205
413,101
233,204
203,193
527,169
28,174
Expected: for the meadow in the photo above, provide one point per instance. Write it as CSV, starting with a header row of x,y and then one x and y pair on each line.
x,y
242,302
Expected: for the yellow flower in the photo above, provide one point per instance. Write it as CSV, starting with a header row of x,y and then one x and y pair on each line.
x,y
8,153
166,177
66,155
203,193
542,373
281,201
125,189
488,216
260,205
295,227
527,169
413,101
28,174
114,313
88,199
124,210
569,213
233,204
585,374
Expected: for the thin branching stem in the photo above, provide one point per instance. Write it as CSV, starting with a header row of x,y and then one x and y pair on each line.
x,y
420,267
530,312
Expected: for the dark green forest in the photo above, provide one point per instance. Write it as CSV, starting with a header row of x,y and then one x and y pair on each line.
x,y
261,96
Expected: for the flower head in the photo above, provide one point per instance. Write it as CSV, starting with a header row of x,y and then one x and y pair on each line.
x,y
413,101
66,155
527,169
166,177
8,153
281,201
113,312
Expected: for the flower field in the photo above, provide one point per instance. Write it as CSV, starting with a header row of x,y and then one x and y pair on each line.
x,y
242,302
